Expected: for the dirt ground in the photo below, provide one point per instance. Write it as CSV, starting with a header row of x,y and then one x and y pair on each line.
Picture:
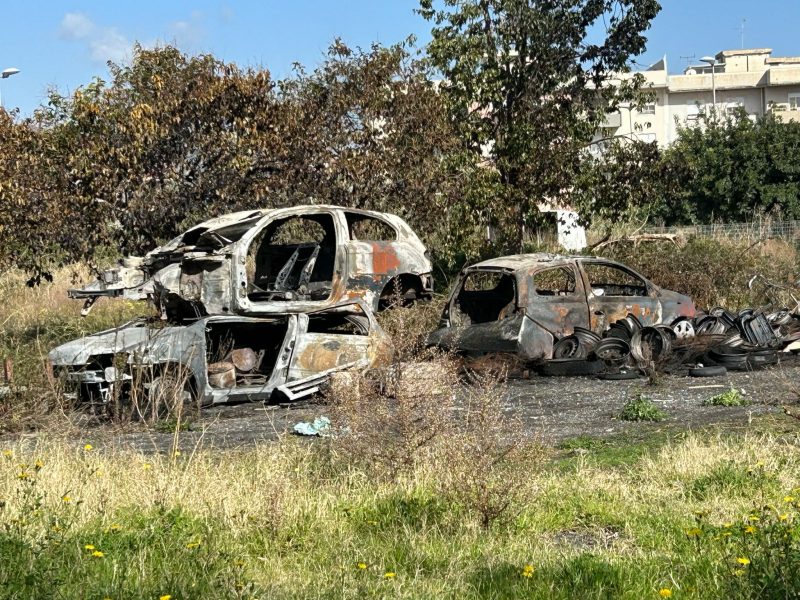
x,y
552,409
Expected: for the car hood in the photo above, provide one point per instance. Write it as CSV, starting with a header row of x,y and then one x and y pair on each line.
x,y
126,338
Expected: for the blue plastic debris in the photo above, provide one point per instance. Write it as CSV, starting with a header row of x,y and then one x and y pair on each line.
x,y
321,427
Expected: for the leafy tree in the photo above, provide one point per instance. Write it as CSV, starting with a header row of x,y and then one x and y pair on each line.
x,y
528,82
173,139
731,168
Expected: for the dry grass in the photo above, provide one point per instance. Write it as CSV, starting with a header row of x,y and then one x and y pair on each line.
x,y
289,519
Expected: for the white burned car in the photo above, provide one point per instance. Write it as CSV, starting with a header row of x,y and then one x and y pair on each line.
x,y
220,358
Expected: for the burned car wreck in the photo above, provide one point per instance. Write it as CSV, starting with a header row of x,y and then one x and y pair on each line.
x,y
221,358
525,304
253,305
274,261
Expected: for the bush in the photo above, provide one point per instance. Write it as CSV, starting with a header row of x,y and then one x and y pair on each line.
x,y
730,398
641,409
712,272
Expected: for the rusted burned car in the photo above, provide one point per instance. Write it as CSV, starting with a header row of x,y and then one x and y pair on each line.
x,y
221,358
266,262
524,303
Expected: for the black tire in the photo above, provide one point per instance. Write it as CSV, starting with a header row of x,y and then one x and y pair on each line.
x,y
622,375
569,367
708,371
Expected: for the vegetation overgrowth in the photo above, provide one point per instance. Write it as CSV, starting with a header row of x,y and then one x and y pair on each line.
x,y
701,516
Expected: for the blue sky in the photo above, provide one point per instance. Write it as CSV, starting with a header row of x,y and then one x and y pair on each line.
x,y
63,44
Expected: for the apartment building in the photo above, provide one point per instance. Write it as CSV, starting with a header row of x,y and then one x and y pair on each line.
x,y
752,79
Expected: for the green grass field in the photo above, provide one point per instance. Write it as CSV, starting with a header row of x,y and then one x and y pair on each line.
x,y
620,519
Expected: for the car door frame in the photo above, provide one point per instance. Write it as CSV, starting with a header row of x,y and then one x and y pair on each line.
x,y
551,305
647,310
244,305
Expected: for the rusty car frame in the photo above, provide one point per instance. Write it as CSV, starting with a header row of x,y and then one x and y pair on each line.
x,y
221,358
523,304
267,262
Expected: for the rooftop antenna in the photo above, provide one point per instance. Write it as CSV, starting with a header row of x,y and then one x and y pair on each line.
x,y
688,59
741,31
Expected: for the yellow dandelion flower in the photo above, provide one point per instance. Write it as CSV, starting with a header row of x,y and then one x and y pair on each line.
x,y
97,554
88,447
88,547
38,464
750,529
783,517
743,560
114,527
193,545
372,522
361,565
785,498
727,525
23,475
389,575
147,466
527,570
665,593
738,572
66,499
753,518
8,453
694,532
165,597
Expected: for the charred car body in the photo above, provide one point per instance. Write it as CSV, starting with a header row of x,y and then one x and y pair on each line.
x,y
252,303
274,261
525,303
222,358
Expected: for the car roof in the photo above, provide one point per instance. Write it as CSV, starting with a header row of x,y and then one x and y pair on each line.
x,y
526,262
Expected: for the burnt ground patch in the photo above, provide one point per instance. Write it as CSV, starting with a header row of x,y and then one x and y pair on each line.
x,y
553,410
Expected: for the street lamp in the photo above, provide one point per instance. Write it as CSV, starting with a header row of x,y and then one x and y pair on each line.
x,y
713,62
5,74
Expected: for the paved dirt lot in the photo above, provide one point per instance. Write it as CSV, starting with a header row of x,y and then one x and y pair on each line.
x,y
552,409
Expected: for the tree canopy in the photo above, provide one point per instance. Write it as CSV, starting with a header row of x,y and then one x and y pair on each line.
x,y
528,82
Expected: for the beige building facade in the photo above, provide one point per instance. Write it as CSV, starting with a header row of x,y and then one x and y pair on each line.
x,y
752,79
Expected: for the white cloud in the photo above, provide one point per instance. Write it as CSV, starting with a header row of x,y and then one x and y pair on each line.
x,y
103,43
75,26
189,32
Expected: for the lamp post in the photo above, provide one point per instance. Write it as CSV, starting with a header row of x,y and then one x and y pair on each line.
x,y
5,74
713,62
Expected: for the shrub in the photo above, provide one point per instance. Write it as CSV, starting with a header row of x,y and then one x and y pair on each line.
x,y
712,272
641,409
730,398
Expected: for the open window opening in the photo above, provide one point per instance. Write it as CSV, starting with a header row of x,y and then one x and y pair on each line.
x,y
367,228
338,324
243,354
293,259
558,281
485,296
610,280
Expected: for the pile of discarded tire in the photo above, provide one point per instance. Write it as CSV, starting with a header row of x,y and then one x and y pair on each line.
x,y
708,345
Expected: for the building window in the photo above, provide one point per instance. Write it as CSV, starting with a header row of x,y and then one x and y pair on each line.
x,y
647,137
692,110
733,105
648,109
794,101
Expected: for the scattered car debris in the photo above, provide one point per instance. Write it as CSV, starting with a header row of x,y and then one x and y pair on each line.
x,y
577,315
